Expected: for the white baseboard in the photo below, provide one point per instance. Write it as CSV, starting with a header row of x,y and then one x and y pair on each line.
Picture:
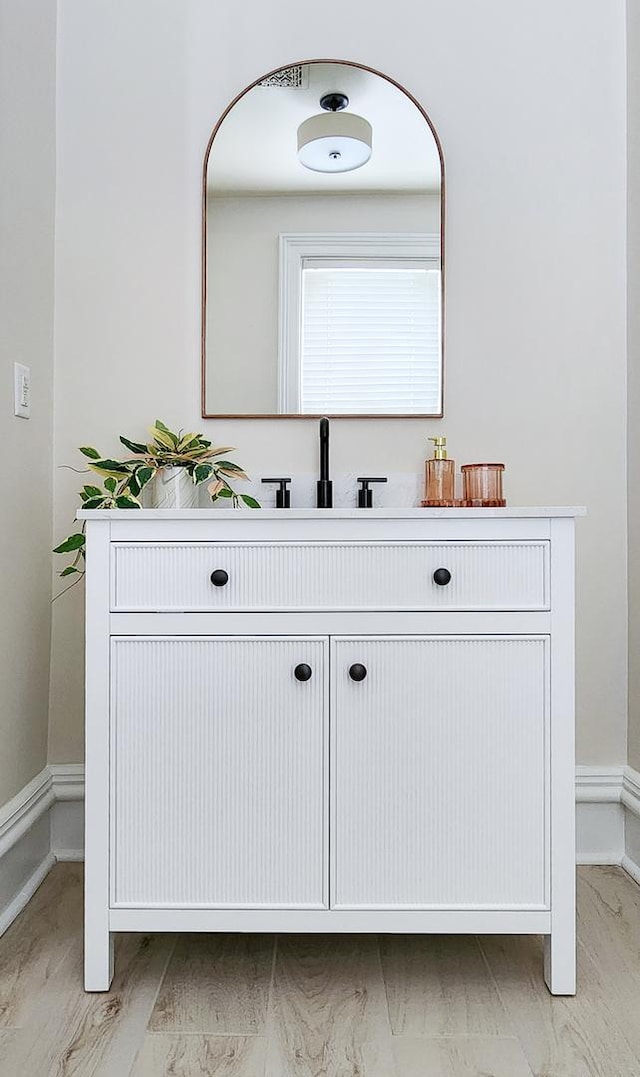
x,y
67,780
67,829
630,796
599,815
608,817
599,832
17,903
24,809
631,868
44,823
25,845
631,799
67,813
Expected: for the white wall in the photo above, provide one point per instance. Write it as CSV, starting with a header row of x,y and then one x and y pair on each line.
x,y
27,190
633,343
242,285
529,102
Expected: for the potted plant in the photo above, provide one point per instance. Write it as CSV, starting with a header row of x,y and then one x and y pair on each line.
x,y
172,465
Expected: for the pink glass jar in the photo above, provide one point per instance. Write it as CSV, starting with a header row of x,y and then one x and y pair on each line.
x,y
482,485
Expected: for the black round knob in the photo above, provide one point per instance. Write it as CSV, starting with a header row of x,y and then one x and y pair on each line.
x,y
302,672
219,577
357,671
442,577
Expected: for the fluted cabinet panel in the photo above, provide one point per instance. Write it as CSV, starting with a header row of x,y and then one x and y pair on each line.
x,y
440,772
218,772
314,575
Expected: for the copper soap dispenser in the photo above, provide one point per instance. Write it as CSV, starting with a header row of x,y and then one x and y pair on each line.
x,y
440,477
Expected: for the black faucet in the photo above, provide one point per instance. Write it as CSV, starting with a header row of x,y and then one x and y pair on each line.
x,y
324,495
283,494
365,493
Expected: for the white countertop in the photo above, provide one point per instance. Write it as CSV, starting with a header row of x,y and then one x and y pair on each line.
x,y
510,512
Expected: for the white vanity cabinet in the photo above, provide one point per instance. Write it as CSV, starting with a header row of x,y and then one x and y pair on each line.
x,y
218,787
337,721
438,772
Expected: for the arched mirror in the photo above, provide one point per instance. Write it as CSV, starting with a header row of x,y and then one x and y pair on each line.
x,y
323,197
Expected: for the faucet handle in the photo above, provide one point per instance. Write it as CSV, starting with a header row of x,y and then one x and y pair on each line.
x,y
283,494
365,495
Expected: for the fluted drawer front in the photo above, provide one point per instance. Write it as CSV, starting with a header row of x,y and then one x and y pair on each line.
x,y
218,772
281,576
439,769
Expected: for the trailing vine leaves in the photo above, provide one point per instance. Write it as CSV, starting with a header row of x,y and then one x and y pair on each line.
x,y
124,480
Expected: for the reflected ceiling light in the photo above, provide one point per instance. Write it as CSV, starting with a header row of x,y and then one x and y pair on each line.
x,y
334,141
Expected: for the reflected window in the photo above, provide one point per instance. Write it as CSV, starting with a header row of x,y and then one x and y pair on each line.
x,y
360,324
370,337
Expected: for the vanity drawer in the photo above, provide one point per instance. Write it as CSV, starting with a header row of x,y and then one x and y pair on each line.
x,y
166,576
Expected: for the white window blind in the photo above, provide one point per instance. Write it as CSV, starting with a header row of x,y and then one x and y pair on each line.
x,y
370,336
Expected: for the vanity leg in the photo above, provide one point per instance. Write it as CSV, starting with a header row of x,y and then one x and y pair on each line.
x,y
98,959
560,944
98,941
560,962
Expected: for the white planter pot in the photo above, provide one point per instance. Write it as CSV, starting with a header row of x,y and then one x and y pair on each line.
x,y
173,488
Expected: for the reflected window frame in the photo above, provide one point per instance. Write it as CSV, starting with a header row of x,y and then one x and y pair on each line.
x,y
295,248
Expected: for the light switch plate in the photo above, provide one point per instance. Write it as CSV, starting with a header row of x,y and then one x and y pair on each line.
x,y
21,391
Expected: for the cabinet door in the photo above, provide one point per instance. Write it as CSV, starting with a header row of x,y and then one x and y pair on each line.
x,y
218,772
440,773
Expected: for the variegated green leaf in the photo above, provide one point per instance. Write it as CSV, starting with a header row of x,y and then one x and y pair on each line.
x,y
188,439
228,465
143,475
159,427
110,467
134,446
74,542
163,439
202,472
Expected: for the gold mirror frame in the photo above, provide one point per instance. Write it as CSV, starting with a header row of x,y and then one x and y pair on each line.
x,y
203,312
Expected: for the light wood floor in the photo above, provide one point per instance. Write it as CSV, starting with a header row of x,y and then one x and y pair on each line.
x,y
320,1006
